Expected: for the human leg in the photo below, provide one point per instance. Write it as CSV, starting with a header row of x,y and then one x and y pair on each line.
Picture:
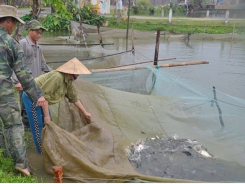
x,y
23,114
14,133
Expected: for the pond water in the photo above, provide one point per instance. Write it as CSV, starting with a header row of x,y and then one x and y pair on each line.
x,y
225,71
226,68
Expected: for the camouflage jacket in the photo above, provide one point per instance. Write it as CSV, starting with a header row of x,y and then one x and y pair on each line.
x,y
11,60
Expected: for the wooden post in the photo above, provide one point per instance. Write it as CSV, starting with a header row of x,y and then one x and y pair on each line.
x,y
99,33
170,16
133,38
127,25
57,172
233,31
227,16
207,15
162,12
81,31
118,16
157,47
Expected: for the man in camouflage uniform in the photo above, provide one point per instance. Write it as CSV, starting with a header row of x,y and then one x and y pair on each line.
x,y
11,127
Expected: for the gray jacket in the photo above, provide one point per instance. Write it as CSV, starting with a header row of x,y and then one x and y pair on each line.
x,y
33,59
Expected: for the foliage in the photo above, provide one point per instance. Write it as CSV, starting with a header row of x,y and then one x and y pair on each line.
x,y
142,7
166,9
54,22
143,3
86,14
204,4
135,10
178,9
181,27
8,173
171,4
60,8
151,10
27,17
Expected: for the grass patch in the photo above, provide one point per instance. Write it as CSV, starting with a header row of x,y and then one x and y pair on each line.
x,y
182,26
8,174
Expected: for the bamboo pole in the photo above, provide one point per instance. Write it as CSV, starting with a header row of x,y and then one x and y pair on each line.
x,y
149,61
153,66
57,172
70,44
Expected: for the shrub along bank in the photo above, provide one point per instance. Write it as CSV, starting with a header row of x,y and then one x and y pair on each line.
x,y
181,26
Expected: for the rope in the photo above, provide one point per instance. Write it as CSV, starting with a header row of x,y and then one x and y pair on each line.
x,y
142,55
94,57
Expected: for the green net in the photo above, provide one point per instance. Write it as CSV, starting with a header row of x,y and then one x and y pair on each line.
x,y
129,106
143,104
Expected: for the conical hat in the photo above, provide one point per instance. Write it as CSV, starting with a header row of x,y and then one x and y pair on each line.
x,y
74,66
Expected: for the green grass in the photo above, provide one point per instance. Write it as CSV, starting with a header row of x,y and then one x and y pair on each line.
x,y
182,26
8,174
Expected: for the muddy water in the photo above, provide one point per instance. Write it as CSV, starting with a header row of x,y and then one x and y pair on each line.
x,y
226,68
225,71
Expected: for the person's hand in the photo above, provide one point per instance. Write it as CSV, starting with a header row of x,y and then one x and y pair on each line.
x,y
47,119
18,87
42,101
87,115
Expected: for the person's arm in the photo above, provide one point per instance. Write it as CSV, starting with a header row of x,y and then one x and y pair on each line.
x,y
80,106
46,112
16,82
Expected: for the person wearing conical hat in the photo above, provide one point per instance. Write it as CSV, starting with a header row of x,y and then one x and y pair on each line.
x,y
11,126
55,85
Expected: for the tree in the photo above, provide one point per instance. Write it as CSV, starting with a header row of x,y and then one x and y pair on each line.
x,y
60,8
35,9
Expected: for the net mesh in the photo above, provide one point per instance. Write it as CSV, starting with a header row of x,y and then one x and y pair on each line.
x,y
132,105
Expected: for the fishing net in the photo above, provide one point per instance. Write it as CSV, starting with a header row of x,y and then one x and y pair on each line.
x,y
143,104
147,125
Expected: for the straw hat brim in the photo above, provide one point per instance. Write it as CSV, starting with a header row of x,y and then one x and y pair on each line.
x,y
73,66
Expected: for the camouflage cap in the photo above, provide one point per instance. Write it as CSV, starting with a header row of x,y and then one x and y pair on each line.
x,y
9,11
35,25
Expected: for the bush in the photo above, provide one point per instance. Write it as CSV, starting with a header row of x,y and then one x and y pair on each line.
x,y
86,14
53,22
135,10
143,3
151,10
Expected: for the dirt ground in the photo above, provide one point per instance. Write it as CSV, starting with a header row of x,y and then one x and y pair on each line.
x,y
182,159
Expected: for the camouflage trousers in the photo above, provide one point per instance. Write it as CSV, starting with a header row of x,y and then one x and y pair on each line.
x,y
12,133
